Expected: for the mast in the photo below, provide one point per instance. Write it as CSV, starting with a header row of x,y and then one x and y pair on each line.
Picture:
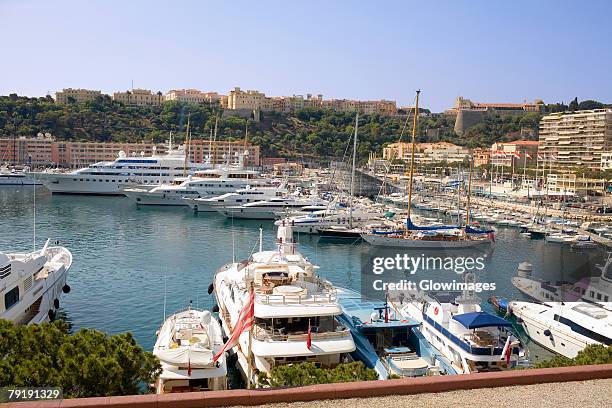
x,y
214,157
469,192
186,147
353,172
414,130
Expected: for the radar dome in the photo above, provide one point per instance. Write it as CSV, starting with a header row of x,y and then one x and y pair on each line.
x,y
121,154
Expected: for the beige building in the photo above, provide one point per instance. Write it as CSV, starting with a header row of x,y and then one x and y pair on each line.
x,y
192,96
570,184
576,138
138,97
251,100
481,157
426,152
515,154
68,95
462,103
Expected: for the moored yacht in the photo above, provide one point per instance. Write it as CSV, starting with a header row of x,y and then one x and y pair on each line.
x,y
267,209
471,339
203,184
239,197
295,312
311,223
31,283
565,328
186,345
14,177
110,178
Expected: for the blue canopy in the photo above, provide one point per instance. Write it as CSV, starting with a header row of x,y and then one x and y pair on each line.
x,y
475,320
471,230
413,227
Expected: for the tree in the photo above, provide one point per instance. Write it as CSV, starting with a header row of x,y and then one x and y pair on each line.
x,y
308,374
85,364
573,106
592,354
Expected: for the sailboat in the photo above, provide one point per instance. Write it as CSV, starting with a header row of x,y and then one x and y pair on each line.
x,y
413,236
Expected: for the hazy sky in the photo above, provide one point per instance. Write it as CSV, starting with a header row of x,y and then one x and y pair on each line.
x,y
488,51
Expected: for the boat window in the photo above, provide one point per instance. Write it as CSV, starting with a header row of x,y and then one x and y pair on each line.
x,y
599,296
585,332
591,293
11,297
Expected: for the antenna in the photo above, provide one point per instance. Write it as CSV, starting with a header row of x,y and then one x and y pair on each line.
x,y
34,213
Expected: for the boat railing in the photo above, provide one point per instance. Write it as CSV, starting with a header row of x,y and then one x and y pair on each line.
x,y
326,296
267,334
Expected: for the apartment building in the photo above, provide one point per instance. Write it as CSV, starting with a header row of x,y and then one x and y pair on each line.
x,y
138,97
194,96
481,157
44,151
577,138
426,152
69,95
515,154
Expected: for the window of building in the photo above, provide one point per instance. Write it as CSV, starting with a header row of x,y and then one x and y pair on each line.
x,y
11,297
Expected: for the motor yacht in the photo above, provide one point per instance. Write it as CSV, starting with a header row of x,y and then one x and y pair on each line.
x,y
31,284
267,209
186,344
565,328
295,311
239,197
313,222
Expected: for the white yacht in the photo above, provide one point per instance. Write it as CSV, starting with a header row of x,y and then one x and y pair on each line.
x,y
186,345
110,178
471,339
295,311
31,284
14,177
311,223
239,197
267,209
565,328
594,289
203,184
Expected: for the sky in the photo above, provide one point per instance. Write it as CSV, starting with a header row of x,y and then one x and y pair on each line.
x,y
486,51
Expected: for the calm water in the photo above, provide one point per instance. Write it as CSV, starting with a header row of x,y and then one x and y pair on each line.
x,y
125,256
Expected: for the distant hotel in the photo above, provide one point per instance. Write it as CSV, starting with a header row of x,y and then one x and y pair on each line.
x,y
426,152
581,138
44,151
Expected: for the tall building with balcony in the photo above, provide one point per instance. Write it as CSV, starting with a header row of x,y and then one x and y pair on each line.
x,y
68,95
576,139
138,97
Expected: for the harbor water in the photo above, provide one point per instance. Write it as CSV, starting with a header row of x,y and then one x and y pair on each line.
x,y
134,265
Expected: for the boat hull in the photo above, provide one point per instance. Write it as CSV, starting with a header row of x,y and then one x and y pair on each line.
x,y
386,241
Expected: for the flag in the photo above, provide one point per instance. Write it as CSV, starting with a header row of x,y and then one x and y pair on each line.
x,y
517,155
507,350
309,338
502,154
540,157
527,155
553,157
244,323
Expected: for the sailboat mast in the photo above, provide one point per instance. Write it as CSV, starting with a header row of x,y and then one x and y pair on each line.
x,y
353,172
469,193
414,130
186,148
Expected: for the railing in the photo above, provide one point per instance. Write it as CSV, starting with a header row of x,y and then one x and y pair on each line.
x,y
328,296
262,334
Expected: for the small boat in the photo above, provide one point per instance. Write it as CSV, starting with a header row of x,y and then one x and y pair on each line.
x,y
186,346
340,232
584,244
500,304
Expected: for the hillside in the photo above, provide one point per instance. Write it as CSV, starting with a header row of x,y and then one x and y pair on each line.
x,y
309,133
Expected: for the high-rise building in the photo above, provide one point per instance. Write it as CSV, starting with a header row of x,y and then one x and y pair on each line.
x,y
572,139
68,95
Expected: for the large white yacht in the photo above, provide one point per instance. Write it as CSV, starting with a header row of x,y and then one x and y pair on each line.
x,y
295,311
267,209
31,284
186,345
238,197
110,178
311,223
594,289
203,184
565,328
471,339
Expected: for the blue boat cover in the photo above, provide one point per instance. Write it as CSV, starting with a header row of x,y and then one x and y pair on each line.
x,y
413,227
475,320
471,230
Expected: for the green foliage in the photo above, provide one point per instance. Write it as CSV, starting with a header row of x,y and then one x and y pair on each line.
x,y
85,364
592,354
308,374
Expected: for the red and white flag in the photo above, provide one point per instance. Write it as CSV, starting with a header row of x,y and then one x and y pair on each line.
x,y
244,323
540,156
527,155
553,157
507,350
502,154
309,338
517,155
